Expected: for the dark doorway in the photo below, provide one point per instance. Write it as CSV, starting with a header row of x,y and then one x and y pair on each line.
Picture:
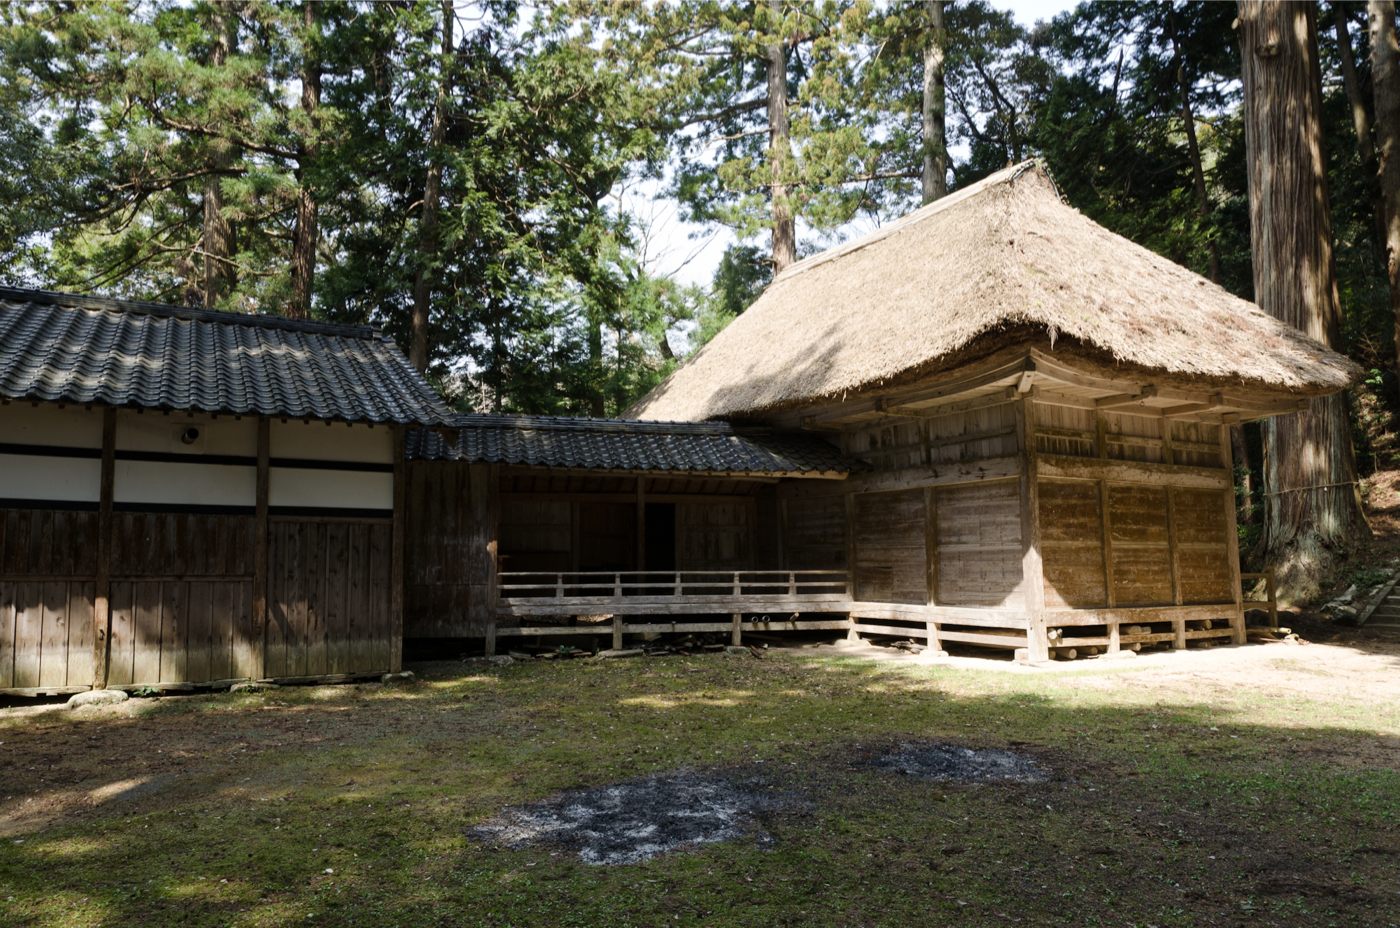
x,y
660,536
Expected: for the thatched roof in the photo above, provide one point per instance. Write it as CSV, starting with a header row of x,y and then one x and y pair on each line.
x,y
1005,255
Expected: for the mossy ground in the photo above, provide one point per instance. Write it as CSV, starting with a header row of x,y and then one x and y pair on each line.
x,y
1177,797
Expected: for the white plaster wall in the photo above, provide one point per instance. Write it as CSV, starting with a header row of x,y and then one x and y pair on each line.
x,y
193,484
330,489
319,441
154,431
30,476
50,424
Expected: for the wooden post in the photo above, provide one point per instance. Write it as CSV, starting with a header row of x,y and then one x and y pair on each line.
x,y
1115,636
1032,570
736,632
102,587
396,558
261,545
931,546
1110,599
617,632
1173,561
641,524
1232,541
490,648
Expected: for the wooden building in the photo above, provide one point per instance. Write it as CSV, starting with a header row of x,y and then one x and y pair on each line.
x,y
1041,406
189,497
992,423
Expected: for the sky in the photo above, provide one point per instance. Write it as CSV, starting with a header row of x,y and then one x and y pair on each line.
x,y
690,253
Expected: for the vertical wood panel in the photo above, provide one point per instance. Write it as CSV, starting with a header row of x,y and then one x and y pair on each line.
x,y
174,631
199,639
396,557
146,604
81,629
53,654
121,648
7,633
357,615
29,628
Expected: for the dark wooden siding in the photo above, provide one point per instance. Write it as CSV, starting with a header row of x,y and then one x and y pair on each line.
x,y
714,535
891,565
450,558
814,532
979,544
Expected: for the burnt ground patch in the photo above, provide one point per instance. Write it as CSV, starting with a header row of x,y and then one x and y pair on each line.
x,y
947,762
636,820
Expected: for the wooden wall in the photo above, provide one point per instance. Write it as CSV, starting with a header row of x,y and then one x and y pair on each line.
x,y
715,535
453,517
167,592
1129,540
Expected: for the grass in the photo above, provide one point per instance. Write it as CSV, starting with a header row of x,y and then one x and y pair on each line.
x,y
1195,802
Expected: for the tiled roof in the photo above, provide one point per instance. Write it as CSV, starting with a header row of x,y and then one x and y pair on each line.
x,y
81,349
628,445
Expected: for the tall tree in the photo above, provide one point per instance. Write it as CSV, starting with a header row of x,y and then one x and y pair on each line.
x,y
1313,508
432,193
217,242
934,179
779,143
1385,81
306,231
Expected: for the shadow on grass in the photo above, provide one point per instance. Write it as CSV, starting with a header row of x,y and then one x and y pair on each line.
x,y
352,805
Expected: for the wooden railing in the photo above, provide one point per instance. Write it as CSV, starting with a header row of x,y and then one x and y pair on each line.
x,y
1269,603
672,585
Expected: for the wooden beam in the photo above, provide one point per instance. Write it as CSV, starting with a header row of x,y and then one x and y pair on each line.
x,y
986,374
102,588
261,547
1178,475
1126,399
1214,401
936,410
396,557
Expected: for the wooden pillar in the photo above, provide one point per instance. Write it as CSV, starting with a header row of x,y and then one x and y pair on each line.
x,y
396,560
736,630
1032,569
261,545
641,523
1232,536
102,587
617,632
482,533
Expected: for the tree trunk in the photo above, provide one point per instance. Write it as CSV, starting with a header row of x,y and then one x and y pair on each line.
x,y
306,234
1312,503
779,147
1361,123
1193,149
1385,82
217,244
432,192
935,174
596,401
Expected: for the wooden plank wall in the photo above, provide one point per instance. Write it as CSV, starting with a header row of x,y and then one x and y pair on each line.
x,y
320,571
454,514
891,564
714,535
814,532
978,542
47,591
1132,543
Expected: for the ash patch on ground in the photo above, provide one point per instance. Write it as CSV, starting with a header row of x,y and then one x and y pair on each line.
x,y
636,820
954,763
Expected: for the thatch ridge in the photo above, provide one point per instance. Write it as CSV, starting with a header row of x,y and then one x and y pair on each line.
x,y
998,256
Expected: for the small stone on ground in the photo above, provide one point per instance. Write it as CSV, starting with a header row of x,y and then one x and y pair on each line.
x,y
935,760
633,821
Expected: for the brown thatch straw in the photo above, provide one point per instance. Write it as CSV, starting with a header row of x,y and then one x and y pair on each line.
x,y
1001,255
